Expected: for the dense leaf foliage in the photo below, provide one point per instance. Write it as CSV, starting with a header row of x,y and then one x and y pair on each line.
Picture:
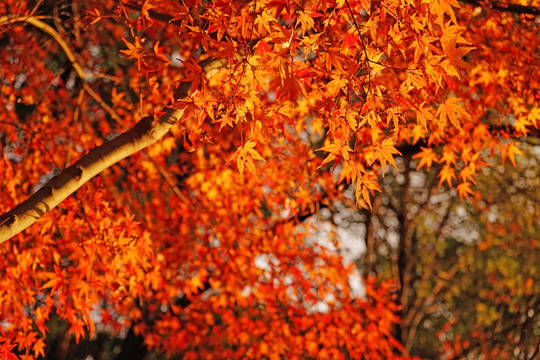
x,y
207,243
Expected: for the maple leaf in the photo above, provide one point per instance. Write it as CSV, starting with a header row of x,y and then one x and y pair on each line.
x,y
455,54
418,132
306,21
384,152
337,152
468,173
440,7
427,156
464,190
451,110
362,185
448,155
447,173
351,171
292,87
134,51
39,348
226,120
144,10
509,151
334,86
6,348
262,48
264,21
77,327
349,41
310,43
56,281
244,156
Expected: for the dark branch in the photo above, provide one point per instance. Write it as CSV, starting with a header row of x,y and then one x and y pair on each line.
x,y
501,6
504,131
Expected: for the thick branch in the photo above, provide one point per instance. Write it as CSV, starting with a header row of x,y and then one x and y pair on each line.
x,y
143,134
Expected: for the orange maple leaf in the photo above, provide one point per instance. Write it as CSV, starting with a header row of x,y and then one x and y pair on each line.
x,y
453,53
262,48
349,41
334,86
134,51
351,171
337,152
384,153
447,173
464,190
362,186
144,10
451,110
244,156
39,347
509,151
427,156
77,328
5,352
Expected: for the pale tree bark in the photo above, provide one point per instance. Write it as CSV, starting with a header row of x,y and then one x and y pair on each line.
x,y
144,133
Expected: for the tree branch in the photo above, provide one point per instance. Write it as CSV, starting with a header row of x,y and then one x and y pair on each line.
x,y
143,134
505,7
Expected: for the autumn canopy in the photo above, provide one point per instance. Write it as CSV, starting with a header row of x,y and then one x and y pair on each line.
x,y
169,169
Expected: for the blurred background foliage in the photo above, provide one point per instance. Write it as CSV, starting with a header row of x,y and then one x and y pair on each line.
x,y
473,267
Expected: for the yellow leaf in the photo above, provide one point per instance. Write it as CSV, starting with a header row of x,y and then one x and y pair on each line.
x,y
306,21
362,189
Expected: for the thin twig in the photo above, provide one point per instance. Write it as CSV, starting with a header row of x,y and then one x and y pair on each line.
x,y
248,50
363,46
